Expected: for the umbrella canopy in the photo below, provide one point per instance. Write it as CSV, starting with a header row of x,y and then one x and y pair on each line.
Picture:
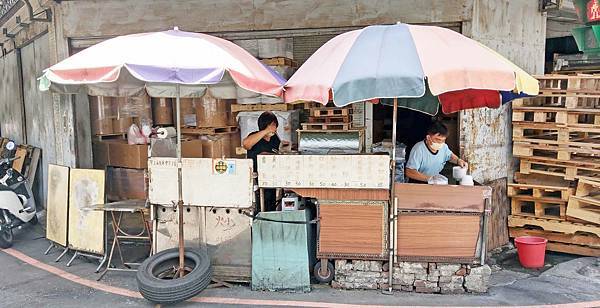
x,y
120,66
428,65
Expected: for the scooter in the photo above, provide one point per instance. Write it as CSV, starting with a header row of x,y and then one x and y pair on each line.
x,y
17,205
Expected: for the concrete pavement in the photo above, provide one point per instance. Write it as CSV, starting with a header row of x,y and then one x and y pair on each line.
x,y
27,277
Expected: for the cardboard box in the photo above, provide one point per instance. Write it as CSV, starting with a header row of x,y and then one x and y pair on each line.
x,y
121,154
191,148
117,153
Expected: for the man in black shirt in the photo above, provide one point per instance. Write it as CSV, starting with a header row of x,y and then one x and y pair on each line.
x,y
264,141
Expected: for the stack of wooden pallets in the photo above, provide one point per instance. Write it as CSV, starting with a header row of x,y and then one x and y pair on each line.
x,y
556,136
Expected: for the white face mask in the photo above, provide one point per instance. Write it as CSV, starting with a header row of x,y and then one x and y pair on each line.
x,y
436,146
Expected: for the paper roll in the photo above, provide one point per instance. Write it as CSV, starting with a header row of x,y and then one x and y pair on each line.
x,y
166,132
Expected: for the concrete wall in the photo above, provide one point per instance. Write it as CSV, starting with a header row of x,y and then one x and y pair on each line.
x,y
39,110
515,29
93,18
11,99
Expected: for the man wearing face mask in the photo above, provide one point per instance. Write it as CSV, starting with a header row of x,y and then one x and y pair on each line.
x,y
428,157
264,141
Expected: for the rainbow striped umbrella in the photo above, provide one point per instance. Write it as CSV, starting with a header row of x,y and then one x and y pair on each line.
x,y
421,66
126,64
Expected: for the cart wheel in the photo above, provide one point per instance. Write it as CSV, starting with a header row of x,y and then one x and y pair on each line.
x,y
328,277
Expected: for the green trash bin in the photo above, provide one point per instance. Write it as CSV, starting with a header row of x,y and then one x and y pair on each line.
x,y
282,253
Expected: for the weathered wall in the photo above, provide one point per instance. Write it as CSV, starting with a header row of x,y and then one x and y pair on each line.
x,y
11,101
39,110
515,29
93,18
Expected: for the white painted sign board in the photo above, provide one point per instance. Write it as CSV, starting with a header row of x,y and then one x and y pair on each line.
x,y
206,182
324,171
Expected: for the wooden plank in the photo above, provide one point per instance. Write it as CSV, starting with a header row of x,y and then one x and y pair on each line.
x,y
33,166
500,205
326,126
540,179
279,62
585,208
21,155
259,107
576,239
553,225
437,235
440,197
343,194
332,119
86,226
208,130
57,204
573,249
349,230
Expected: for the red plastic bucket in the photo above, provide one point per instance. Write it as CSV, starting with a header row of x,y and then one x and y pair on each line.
x,y
531,251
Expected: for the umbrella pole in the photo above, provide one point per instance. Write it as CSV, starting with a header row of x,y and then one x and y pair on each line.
x,y
392,204
181,270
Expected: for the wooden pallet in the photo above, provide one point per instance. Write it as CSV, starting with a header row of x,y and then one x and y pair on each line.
x,y
541,179
569,171
585,205
304,105
585,245
330,112
549,133
539,115
565,153
559,101
259,107
540,191
111,136
553,225
280,62
208,130
546,208
583,118
569,84
326,126
573,249
589,240
332,119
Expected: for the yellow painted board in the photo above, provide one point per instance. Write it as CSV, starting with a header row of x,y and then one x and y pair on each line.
x,y
57,205
86,226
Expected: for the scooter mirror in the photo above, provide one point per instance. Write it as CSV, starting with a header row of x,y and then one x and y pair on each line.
x,y
10,145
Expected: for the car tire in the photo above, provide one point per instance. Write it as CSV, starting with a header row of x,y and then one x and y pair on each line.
x,y
156,285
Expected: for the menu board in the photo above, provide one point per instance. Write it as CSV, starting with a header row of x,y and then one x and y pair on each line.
x,y
324,171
